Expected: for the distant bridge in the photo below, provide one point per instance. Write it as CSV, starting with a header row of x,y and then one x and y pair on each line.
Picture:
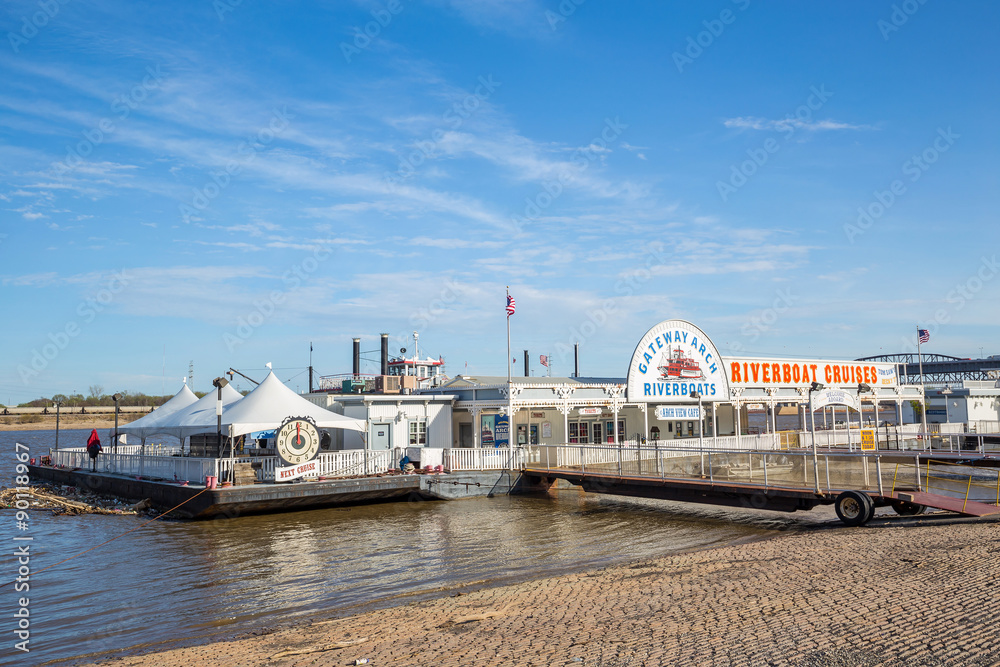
x,y
939,368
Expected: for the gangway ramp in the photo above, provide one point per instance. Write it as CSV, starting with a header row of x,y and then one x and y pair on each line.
x,y
782,480
962,506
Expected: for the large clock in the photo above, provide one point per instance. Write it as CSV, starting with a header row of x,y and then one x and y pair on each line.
x,y
297,440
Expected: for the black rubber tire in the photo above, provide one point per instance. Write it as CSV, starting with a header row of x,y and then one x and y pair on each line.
x,y
903,508
854,508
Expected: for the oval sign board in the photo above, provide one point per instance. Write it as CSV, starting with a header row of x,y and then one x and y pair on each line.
x,y
674,359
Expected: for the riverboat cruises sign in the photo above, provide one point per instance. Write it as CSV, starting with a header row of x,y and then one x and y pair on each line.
x,y
790,373
674,359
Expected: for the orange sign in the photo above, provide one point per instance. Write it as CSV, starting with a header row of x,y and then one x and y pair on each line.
x,y
803,372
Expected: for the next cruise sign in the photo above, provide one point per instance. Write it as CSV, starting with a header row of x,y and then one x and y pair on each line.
x,y
672,360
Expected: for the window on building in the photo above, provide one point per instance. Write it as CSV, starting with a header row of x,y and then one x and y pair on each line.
x,y
418,433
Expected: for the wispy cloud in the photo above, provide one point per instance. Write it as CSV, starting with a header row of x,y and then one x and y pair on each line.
x,y
756,123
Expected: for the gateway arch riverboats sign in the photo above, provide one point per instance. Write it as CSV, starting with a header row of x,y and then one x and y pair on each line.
x,y
672,360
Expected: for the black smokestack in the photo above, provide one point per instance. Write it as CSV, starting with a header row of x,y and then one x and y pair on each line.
x,y
385,354
526,374
576,360
357,357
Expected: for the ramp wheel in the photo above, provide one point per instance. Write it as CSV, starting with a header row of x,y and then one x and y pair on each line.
x,y
854,508
904,508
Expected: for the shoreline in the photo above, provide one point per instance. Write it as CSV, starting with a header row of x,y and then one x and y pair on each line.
x,y
901,590
66,422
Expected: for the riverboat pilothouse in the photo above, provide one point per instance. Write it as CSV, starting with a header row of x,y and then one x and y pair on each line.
x,y
674,365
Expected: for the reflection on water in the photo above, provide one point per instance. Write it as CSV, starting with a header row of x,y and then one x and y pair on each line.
x,y
179,580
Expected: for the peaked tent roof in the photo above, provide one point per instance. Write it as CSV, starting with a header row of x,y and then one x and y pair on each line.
x,y
271,403
148,425
200,417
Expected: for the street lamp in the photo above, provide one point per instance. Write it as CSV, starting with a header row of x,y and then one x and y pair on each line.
x,y
701,441
219,383
864,388
946,392
114,447
815,386
701,418
58,404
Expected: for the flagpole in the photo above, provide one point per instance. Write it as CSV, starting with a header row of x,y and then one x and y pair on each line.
x,y
510,393
923,390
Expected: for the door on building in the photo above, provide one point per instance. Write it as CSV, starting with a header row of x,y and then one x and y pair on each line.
x,y
465,435
380,436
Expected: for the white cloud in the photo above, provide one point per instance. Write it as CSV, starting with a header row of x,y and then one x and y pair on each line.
x,y
755,123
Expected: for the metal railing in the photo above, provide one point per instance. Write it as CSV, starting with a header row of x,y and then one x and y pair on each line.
x,y
159,467
837,470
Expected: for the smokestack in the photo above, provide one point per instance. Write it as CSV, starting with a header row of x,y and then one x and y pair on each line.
x,y
357,357
526,374
576,360
385,354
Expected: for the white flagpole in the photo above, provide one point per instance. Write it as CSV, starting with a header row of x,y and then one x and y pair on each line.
x,y
923,390
510,393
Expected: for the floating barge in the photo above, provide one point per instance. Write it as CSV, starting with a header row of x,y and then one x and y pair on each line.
x,y
201,502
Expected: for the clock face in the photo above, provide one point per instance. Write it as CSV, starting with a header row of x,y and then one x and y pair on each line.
x,y
297,441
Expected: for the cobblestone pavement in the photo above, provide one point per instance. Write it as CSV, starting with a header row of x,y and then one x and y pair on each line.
x,y
905,592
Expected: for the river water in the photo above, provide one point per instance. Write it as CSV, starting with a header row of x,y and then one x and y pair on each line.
x,y
173,581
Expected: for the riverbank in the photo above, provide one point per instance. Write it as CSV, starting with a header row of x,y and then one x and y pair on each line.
x,y
900,591
35,422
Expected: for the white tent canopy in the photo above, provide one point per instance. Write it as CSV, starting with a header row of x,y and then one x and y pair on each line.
x,y
150,424
271,403
200,417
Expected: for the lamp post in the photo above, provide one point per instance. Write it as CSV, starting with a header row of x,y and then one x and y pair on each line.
x,y
114,447
815,386
219,383
701,420
57,425
701,441
947,392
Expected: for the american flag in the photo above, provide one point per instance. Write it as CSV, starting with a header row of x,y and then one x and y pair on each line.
x,y
544,359
923,335
510,305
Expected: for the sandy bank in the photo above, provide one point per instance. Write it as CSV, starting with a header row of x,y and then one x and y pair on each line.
x,y
897,592
48,422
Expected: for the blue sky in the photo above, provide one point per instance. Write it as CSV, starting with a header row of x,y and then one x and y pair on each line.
x,y
225,182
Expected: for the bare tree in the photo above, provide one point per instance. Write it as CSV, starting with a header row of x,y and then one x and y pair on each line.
x,y
95,391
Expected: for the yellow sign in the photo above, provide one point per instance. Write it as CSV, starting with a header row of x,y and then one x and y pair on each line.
x,y
868,443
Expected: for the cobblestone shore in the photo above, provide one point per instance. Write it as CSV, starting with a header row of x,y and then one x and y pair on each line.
x,y
915,591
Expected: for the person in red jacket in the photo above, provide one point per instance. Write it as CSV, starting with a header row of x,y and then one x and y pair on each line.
x,y
93,448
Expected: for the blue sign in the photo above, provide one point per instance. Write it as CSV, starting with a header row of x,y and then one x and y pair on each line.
x,y
501,431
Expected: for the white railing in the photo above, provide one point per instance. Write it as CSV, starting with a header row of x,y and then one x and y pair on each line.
x,y
157,467
984,426
483,458
152,449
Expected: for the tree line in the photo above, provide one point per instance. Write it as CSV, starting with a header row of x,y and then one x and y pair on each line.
x,y
96,397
